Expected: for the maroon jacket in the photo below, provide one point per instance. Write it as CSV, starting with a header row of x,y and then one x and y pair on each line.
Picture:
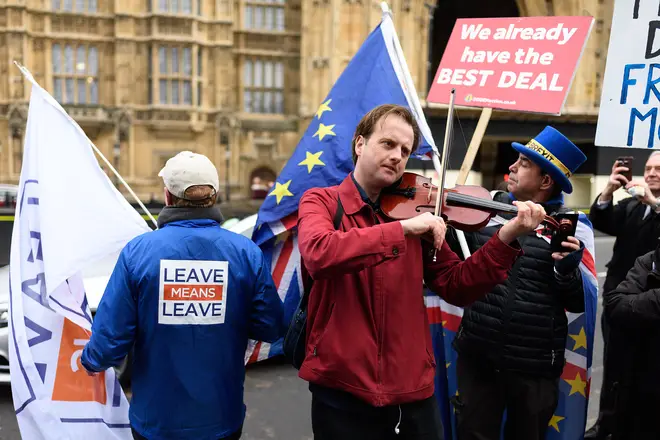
x,y
368,331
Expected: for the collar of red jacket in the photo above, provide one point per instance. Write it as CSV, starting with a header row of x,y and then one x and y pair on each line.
x,y
350,196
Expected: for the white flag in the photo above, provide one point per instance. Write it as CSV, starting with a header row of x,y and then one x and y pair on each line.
x,y
68,215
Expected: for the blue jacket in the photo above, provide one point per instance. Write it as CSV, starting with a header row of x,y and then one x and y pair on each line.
x,y
187,297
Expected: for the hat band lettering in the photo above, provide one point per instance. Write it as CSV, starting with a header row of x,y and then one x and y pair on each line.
x,y
535,146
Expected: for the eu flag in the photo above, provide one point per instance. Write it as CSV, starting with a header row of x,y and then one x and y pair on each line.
x,y
376,75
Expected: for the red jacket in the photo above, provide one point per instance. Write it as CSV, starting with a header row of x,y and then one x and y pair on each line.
x,y
367,329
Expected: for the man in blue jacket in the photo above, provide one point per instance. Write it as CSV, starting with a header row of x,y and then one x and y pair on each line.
x,y
187,297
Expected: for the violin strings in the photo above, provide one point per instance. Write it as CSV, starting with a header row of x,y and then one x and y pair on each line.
x,y
466,198
461,127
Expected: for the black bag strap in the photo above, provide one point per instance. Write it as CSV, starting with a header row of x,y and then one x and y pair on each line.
x,y
336,222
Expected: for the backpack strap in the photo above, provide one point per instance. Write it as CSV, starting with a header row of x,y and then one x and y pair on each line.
x,y
338,214
336,222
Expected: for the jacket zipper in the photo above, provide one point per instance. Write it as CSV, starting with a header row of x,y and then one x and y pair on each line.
x,y
552,340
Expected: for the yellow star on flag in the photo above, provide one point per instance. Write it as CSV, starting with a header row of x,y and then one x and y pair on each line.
x,y
325,130
580,339
554,422
311,160
447,364
577,385
325,107
281,191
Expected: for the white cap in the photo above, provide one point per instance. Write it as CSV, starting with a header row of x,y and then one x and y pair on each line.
x,y
188,169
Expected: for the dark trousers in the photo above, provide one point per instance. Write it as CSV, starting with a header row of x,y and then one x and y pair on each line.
x,y
415,421
234,436
484,394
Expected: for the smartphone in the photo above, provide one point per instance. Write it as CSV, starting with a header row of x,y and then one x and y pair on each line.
x,y
626,161
566,230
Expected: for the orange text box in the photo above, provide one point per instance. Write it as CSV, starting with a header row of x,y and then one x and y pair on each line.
x,y
72,383
192,292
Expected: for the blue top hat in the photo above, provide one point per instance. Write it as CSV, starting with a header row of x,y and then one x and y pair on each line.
x,y
555,154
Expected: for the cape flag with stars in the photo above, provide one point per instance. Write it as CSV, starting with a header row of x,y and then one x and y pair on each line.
x,y
569,419
376,75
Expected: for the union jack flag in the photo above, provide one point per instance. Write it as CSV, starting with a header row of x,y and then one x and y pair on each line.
x,y
569,419
376,75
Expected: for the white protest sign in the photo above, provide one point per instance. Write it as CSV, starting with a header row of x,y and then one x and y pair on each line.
x,y
631,95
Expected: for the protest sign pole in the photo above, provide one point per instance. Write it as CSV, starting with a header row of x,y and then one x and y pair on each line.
x,y
475,142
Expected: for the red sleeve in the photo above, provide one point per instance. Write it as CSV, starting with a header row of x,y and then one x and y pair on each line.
x,y
328,252
463,282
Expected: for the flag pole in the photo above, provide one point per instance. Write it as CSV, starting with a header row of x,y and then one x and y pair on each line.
x,y
30,78
123,182
435,158
385,8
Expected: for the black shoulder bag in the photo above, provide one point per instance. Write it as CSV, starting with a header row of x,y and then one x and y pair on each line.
x,y
295,340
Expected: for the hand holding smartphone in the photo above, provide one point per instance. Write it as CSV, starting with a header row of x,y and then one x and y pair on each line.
x,y
626,161
562,235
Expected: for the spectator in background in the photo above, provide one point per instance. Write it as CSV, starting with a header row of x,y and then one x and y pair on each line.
x,y
635,223
633,312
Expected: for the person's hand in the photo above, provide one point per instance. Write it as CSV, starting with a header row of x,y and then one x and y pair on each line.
x,y
569,260
615,181
530,215
648,198
428,226
572,244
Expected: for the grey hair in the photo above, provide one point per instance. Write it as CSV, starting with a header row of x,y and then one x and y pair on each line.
x,y
655,153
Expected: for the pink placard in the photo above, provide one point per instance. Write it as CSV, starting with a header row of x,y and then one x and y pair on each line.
x,y
522,64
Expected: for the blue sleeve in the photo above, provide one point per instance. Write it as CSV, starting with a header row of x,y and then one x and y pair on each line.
x,y
266,309
115,323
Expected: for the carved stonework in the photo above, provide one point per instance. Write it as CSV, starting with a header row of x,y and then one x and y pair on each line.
x,y
319,39
122,121
17,117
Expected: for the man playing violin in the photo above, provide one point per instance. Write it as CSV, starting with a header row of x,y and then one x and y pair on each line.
x,y
511,343
369,357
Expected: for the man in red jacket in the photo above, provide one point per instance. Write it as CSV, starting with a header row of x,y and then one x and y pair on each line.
x,y
369,357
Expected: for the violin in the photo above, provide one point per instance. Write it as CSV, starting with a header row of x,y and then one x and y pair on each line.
x,y
468,208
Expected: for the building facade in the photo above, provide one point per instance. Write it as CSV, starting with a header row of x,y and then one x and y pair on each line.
x,y
239,80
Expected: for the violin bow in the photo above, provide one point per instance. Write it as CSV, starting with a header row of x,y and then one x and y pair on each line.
x,y
443,158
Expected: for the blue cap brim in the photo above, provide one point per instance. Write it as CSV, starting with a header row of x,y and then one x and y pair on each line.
x,y
554,172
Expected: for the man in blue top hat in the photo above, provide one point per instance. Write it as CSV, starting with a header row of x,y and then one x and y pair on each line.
x,y
511,343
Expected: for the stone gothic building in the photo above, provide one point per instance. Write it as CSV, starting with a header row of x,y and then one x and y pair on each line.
x,y
239,80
